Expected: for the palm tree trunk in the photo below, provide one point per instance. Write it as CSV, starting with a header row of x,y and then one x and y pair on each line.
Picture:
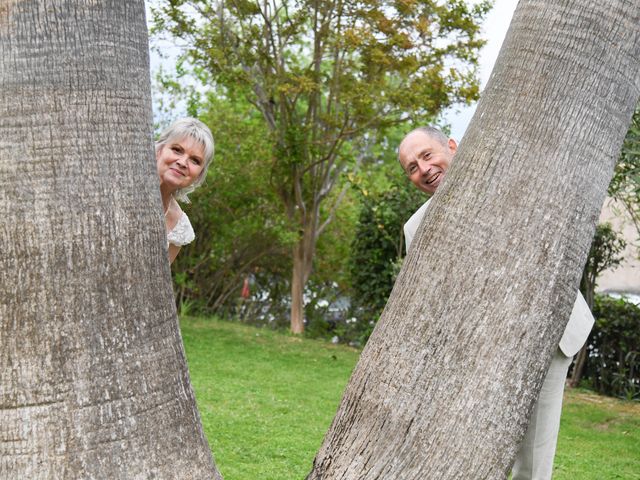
x,y
94,382
444,388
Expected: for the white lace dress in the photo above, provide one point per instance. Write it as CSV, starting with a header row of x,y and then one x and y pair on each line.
x,y
182,233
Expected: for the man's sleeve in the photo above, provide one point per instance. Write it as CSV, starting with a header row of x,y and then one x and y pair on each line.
x,y
412,224
408,236
578,328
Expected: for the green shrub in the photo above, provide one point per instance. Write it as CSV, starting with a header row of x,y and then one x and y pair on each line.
x,y
613,365
377,252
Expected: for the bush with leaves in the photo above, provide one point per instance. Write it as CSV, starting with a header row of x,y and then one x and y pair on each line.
x,y
239,226
605,253
613,365
326,79
377,251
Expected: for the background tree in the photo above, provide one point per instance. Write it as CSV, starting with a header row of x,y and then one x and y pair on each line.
x,y
93,381
240,227
324,73
625,185
605,251
446,382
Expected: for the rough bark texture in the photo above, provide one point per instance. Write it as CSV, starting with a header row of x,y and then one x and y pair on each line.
x,y
93,377
445,385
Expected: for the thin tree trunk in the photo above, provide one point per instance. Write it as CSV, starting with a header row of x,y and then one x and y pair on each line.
x,y
578,367
302,265
297,291
93,378
444,388
303,253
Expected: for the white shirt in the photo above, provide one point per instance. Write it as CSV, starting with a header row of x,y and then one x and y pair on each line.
x,y
182,233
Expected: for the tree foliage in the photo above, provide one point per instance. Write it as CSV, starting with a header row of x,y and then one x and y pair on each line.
x,y
605,252
240,230
327,77
378,248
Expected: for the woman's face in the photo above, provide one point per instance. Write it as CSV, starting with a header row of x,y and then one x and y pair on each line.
x,y
180,161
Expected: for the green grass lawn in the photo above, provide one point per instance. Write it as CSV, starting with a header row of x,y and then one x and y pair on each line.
x,y
267,398
599,438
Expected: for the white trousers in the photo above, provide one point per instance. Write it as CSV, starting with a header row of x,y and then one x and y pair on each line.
x,y
534,460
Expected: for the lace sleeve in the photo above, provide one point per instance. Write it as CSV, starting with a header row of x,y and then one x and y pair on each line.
x,y
182,233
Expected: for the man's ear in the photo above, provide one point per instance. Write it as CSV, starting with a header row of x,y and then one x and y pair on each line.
x,y
453,146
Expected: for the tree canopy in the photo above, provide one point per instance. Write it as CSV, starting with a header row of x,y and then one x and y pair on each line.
x,y
324,73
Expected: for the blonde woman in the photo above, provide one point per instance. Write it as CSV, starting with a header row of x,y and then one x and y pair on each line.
x,y
183,154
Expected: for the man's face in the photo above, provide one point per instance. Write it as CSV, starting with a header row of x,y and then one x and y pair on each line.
x,y
425,159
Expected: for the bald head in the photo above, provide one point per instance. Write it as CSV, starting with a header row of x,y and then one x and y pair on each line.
x,y
432,132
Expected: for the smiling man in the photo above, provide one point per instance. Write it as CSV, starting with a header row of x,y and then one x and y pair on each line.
x,y
425,154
